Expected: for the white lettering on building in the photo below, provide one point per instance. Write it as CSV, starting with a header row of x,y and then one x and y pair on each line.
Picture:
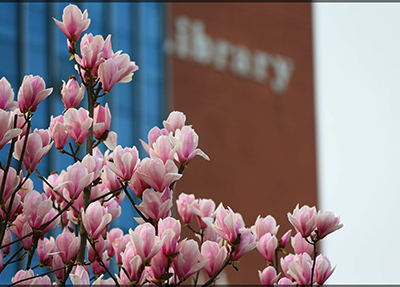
x,y
191,42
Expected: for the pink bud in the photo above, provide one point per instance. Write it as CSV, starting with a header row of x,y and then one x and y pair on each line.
x,y
36,149
304,220
20,121
300,245
37,209
175,121
216,256
23,274
77,123
7,239
71,93
95,219
46,246
31,93
11,182
68,245
163,149
97,268
268,277
102,121
125,162
285,239
76,179
204,209
113,208
187,141
116,69
286,282
158,266
153,135
57,264
170,230
110,179
267,245
26,187
100,246
136,184
183,204
264,226
323,269
327,223
119,245
157,174
112,235
74,22
20,228
285,264
7,132
93,164
7,95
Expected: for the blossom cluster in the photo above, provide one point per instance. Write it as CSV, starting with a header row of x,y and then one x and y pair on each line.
x,y
82,200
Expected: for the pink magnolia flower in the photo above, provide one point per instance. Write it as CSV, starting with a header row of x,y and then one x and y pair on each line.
x,y
31,93
158,266
132,263
119,246
125,162
187,141
74,22
23,274
91,51
327,223
157,174
323,269
304,220
136,184
247,243
169,229
76,179
77,123
58,132
152,136
183,204
44,249
57,264
20,121
95,219
7,95
35,150
20,228
7,132
97,268
300,268
153,206
300,245
163,149
102,121
145,241
228,224
216,256
175,121
68,245
268,276
14,209
71,93
100,246
286,282
80,276
11,182
93,165
112,235
38,210
110,179
7,239
118,69
103,282
188,261
267,245
264,226
113,207
285,261
203,209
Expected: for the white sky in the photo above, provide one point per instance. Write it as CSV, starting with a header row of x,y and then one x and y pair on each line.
x,y
357,78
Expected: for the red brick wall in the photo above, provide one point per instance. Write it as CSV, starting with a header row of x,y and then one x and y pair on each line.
x,y
261,142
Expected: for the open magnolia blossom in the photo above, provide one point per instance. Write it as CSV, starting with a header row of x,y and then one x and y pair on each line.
x,y
79,203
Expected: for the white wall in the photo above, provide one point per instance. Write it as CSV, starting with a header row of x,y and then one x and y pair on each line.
x,y
357,76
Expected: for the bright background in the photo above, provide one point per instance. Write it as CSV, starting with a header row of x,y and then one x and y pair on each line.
x,y
357,60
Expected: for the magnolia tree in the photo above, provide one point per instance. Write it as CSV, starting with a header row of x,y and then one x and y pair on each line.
x,y
82,200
